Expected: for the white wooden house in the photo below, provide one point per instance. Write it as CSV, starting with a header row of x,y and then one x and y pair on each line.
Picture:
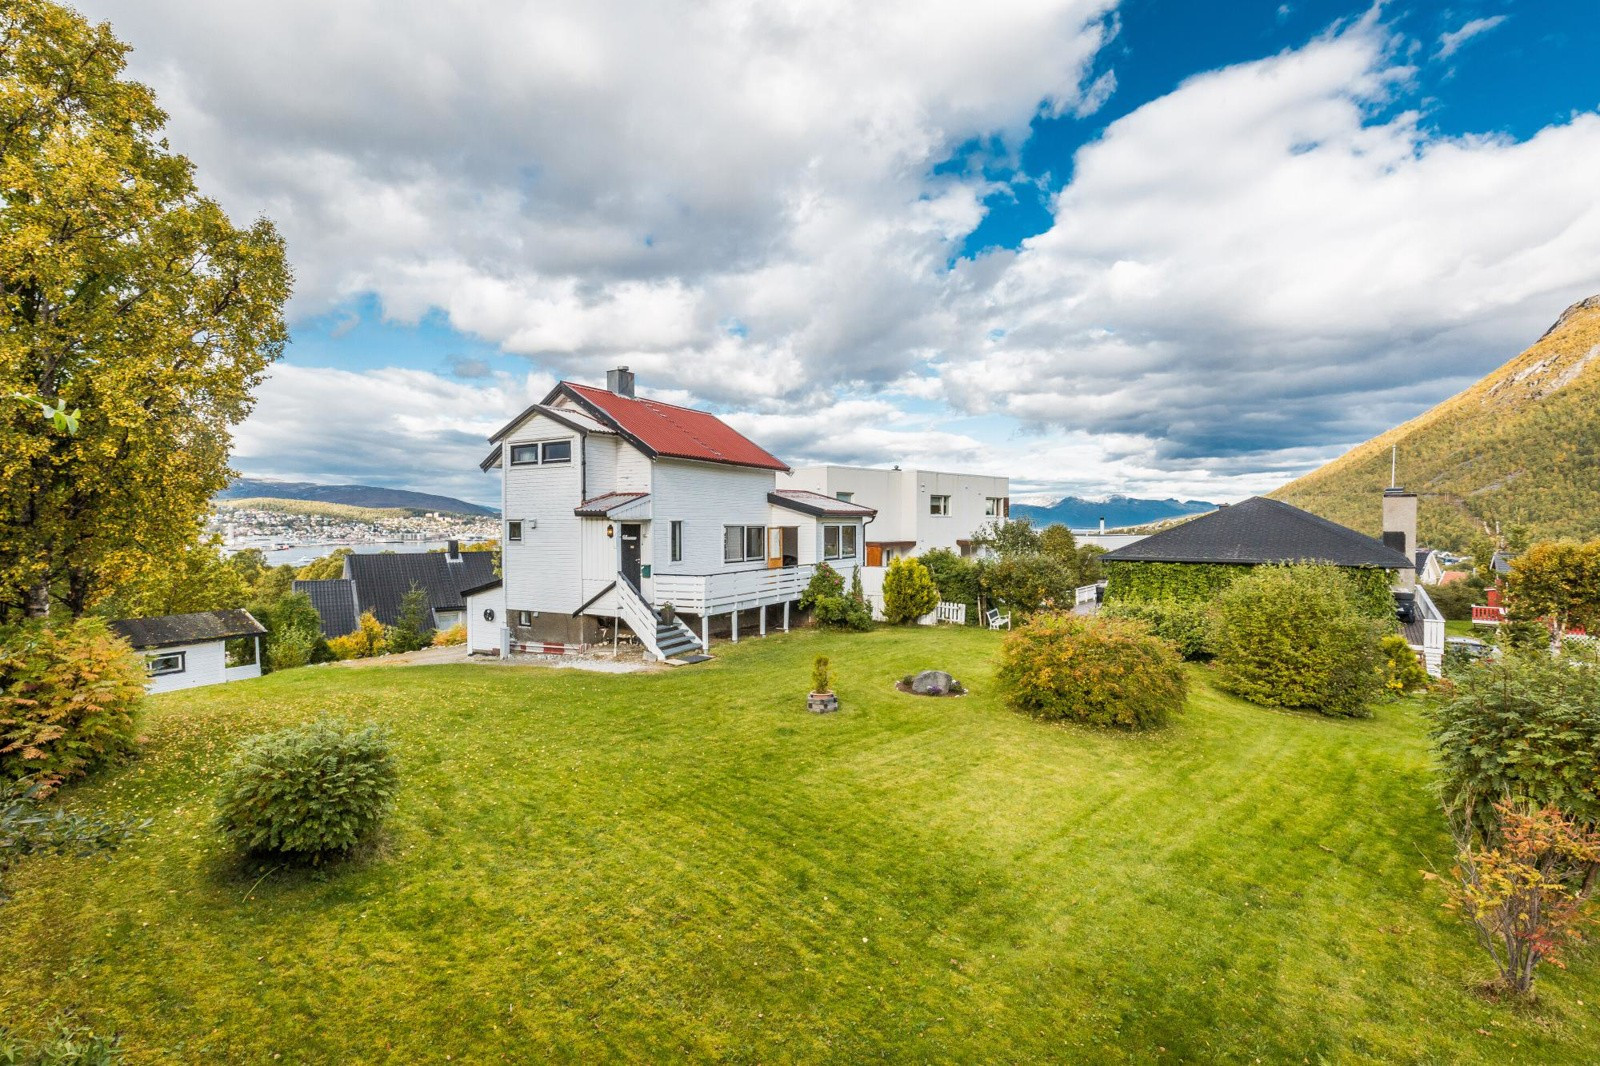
x,y
615,507
189,650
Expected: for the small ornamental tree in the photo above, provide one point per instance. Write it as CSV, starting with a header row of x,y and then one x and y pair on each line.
x,y
908,592
370,638
69,697
1098,671
1525,896
1296,637
309,792
821,675
411,630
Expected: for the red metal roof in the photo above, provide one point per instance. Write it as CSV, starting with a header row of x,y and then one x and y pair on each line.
x,y
677,432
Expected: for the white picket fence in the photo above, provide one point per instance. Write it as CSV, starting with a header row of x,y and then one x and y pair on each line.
x,y
955,613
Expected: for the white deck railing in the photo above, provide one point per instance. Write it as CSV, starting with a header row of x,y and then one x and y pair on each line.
x,y
705,594
241,673
1432,631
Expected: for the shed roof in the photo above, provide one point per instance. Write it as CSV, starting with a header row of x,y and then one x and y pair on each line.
x,y
382,580
1257,531
167,630
335,601
818,505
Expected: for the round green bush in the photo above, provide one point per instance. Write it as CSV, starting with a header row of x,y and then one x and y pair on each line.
x,y
309,792
1299,637
1098,671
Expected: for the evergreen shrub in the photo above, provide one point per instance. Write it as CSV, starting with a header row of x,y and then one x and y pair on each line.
x,y
1097,671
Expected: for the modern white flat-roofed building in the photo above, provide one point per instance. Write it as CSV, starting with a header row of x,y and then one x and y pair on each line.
x,y
918,510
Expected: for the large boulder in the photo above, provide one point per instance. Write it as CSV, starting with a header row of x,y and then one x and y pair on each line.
x,y
932,683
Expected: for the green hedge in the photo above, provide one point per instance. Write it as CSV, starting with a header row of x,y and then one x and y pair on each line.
x,y
1202,583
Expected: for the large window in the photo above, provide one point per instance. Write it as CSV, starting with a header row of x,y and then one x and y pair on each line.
x,y
514,532
170,662
839,542
549,451
677,542
938,505
742,544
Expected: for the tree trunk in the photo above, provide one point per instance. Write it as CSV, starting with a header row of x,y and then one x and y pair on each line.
x,y
38,601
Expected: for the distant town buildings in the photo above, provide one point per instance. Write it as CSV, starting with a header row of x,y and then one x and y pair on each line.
x,y
242,527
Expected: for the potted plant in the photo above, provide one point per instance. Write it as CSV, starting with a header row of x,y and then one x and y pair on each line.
x,y
821,699
668,613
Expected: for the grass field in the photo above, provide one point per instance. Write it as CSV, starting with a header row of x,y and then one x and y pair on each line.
x,y
653,867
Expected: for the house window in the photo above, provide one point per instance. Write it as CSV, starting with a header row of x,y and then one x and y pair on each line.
x,y
844,497
992,507
677,542
514,532
171,662
743,543
524,454
556,451
938,505
839,542
524,618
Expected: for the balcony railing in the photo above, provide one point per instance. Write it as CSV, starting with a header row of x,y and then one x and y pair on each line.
x,y
710,594
1488,616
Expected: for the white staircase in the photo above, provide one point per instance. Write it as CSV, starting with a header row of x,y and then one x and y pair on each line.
x,y
664,640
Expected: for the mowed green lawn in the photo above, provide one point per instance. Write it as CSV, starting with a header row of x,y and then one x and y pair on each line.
x,y
588,867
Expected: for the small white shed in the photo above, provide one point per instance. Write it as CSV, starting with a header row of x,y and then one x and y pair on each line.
x,y
486,617
189,650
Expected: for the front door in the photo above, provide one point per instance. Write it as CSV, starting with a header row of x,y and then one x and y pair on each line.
x,y
630,553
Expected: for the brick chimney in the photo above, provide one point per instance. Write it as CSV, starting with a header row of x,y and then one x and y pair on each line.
x,y
620,381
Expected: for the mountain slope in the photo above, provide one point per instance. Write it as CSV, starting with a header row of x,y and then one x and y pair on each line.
x,y
1521,447
1079,513
354,495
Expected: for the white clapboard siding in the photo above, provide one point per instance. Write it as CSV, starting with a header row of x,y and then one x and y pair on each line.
x,y
204,664
542,572
705,497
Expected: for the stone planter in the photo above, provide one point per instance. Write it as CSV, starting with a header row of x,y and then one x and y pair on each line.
x,y
822,702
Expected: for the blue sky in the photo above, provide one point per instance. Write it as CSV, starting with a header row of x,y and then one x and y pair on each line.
x,y
1159,248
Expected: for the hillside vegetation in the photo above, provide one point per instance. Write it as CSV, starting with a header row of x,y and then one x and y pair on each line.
x,y
1521,447
686,866
345,511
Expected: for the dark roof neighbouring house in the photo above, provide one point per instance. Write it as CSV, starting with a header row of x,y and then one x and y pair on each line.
x,y
169,630
335,601
1257,531
382,580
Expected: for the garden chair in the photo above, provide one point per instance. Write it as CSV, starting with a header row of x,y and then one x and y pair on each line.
x,y
998,620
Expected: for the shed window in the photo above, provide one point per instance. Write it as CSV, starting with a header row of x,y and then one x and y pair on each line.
x,y
938,505
171,662
556,451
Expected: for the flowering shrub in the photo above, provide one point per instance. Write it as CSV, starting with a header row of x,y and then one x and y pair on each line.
x,y
69,695
1098,671
1402,671
370,638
